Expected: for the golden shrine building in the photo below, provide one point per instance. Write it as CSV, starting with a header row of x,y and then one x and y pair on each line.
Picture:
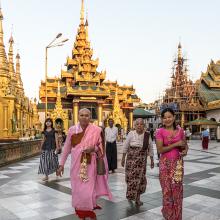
x,y
80,85
19,116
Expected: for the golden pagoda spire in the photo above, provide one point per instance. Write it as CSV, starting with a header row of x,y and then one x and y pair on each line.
x,y
58,111
179,51
58,107
116,107
117,114
10,58
3,58
18,73
82,13
87,28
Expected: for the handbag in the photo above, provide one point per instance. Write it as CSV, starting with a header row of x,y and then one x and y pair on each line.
x,y
100,166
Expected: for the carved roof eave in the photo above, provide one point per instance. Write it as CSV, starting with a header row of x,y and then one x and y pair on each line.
x,y
87,92
50,94
214,76
96,78
71,61
94,63
110,82
211,84
213,105
65,74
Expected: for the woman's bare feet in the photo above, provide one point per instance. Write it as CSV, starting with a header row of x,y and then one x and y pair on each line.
x,y
139,203
45,178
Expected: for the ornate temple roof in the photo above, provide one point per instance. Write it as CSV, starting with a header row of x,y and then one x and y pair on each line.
x,y
209,87
183,92
81,77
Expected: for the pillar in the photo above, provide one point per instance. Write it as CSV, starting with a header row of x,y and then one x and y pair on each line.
x,y
131,119
5,121
18,120
75,112
182,119
21,123
100,122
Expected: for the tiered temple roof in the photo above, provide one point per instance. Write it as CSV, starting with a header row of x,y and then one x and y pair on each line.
x,y
209,87
183,92
81,76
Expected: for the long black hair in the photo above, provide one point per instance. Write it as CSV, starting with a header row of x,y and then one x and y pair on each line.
x,y
170,110
45,126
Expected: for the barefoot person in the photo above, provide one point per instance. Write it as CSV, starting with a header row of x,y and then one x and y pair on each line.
x,y
171,144
138,145
111,134
48,159
85,144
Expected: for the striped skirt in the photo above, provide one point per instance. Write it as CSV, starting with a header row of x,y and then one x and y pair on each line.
x,y
48,162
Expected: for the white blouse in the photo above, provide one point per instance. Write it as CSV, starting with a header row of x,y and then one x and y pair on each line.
x,y
136,140
111,134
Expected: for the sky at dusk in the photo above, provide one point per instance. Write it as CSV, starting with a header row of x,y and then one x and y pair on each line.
x,y
135,41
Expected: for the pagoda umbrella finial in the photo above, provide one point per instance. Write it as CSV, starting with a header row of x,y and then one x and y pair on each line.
x,y
82,13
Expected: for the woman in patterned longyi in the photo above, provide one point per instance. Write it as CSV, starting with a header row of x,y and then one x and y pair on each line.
x,y
137,147
172,146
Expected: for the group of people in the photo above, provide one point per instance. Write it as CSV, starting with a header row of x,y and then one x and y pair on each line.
x,y
92,159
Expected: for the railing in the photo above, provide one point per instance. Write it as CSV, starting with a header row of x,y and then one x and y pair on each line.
x,y
19,150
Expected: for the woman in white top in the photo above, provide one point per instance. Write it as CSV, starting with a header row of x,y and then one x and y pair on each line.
x,y
137,147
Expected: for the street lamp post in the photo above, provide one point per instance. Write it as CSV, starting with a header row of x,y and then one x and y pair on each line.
x,y
53,43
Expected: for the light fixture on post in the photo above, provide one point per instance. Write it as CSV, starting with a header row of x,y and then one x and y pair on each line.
x,y
53,43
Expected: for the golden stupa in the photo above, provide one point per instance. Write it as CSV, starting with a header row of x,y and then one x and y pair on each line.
x,y
19,116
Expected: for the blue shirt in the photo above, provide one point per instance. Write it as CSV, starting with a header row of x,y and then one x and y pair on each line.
x,y
205,133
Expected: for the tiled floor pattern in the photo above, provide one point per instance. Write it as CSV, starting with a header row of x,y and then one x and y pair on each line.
x,y
24,196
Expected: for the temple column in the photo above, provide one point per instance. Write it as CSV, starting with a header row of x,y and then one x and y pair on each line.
x,y
75,112
18,120
182,119
100,122
5,121
131,119
21,123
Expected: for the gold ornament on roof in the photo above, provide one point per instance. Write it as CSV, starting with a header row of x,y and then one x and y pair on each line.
x,y
58,111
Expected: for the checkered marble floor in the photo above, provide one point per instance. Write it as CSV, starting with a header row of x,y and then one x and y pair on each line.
x,y
23,195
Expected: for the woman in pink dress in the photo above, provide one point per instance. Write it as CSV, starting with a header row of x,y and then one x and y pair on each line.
x,y
85,143
172,146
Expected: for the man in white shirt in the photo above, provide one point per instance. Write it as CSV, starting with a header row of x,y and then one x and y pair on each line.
x,y
111,134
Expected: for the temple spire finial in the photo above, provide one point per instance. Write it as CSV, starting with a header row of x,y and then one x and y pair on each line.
x,y
1,28
10,58
179,51
3,57
11,38
86,23
82,13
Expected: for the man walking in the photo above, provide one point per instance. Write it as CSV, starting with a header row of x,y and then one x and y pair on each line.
x,y
111,134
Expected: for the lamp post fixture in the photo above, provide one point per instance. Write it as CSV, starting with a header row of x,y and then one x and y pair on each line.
x,y
53,43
